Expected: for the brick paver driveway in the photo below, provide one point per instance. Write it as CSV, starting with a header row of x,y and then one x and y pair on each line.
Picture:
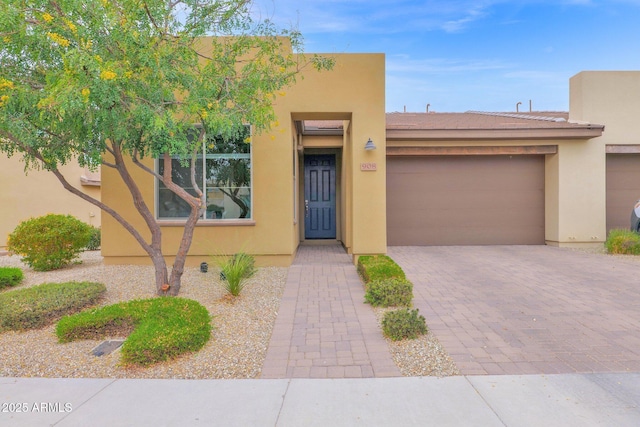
x,y
528,309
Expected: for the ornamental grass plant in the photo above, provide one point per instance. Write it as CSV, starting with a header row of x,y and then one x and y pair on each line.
x,y
235,271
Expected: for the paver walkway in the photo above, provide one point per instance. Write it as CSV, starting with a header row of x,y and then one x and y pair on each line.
x,y
323,328
528,309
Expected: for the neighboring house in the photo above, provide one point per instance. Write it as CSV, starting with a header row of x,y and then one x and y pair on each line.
x,y
472,178
481,178
39,193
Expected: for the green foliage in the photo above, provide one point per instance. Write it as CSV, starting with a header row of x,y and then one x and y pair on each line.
x,y
76,75
38,306
389,292
376,267
81,79
95,240
49,242
158,329
622,241
235,271
403,324
10,276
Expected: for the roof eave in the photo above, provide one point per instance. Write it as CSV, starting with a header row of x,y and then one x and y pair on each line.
x,y
587,132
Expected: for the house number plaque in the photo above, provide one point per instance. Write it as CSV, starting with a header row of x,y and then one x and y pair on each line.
x,y
369,166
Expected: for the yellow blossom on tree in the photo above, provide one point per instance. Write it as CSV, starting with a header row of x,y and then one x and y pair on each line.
x,y
5,84
85,92
57,38
3,99
97,58
107,75
47,17
71,26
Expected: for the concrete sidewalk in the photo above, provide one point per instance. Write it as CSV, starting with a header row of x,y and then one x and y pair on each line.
x,y
533,400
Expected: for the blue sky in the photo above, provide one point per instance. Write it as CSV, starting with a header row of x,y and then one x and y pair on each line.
x,y
472,55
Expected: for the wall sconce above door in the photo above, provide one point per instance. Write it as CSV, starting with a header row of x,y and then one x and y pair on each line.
x,y
369,145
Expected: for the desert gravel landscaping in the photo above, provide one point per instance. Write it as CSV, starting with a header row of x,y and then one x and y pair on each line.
x,y
241,329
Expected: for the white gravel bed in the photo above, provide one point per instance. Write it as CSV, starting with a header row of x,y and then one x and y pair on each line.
x,y
420,357
241,327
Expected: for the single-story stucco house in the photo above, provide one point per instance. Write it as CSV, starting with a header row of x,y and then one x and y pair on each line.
x,y
337,168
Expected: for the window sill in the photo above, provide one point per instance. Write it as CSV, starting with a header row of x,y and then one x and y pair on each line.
x,y
209,223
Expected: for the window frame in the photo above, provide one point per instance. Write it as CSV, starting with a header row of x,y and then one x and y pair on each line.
x,y
203,187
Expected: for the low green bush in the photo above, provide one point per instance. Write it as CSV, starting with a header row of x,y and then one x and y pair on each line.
x,y
158,329
376,267
389,292
38,306
622,241
10,276
95,239
49,242
403,324
235,271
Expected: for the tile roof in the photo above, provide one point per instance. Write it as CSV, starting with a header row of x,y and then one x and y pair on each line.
x,y
482,120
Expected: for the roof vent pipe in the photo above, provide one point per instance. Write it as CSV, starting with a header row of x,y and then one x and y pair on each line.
x,y
530,107
428,105
405,108
517,107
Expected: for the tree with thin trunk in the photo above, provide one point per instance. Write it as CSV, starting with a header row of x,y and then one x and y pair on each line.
x,y
102,82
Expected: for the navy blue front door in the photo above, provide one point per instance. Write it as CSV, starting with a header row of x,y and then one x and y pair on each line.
x,y
320,196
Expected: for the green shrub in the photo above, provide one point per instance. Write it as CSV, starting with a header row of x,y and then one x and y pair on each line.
x,y
403,324
10,276
95,239
623,242
235,271
49,242
376,267
158,329
38,306
389,292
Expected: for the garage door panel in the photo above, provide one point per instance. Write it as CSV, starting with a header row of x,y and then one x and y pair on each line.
x,y
457,200
623,188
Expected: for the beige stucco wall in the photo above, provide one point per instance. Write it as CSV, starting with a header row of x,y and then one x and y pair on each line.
x,y
611,98
575,195
354,92
39,193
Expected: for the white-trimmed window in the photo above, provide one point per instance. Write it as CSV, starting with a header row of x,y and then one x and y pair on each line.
x,y
226,183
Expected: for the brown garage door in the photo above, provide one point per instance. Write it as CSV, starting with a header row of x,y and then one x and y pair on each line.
x,y
623,188
465,200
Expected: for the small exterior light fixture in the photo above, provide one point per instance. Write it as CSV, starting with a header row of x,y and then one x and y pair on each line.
x,y
204,267
369,145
